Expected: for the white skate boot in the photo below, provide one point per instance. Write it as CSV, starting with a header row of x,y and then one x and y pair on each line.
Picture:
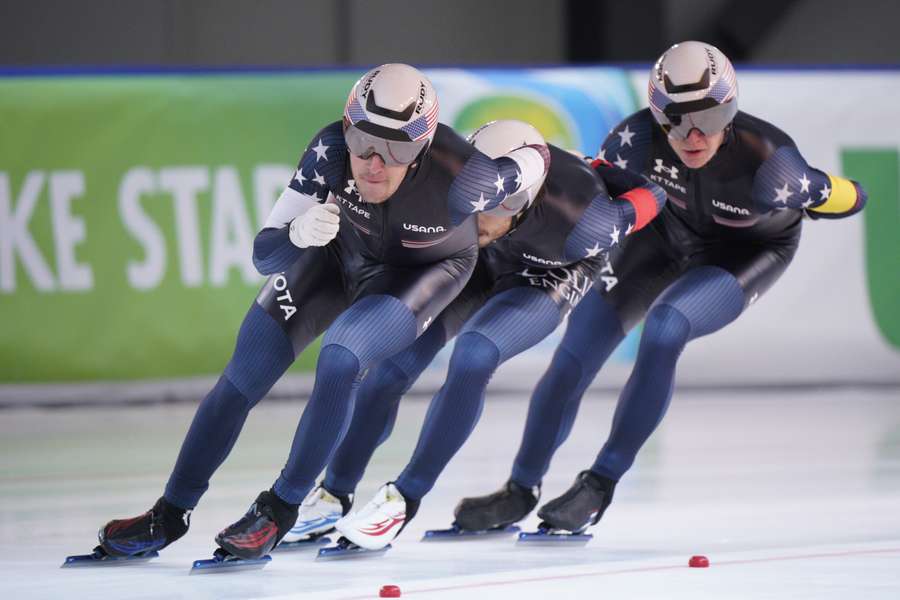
x,y
379,521
319,512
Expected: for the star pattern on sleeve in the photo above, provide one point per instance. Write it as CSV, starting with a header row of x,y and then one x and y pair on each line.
x,y
321,150
825,192
593,251
614,236
621,162
499,184
625,137
782,194
804,184
299,176
480,204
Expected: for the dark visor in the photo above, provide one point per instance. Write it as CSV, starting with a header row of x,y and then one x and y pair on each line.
x,y
393,152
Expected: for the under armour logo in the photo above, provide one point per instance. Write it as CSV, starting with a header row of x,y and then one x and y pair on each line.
x,y
426,323
662,168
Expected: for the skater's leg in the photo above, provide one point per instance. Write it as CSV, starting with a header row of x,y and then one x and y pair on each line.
x,y
702,301
593,332
493,335
375,410
370,330
262,355
393,307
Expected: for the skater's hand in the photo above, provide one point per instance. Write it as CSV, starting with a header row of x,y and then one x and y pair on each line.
x,y
316,227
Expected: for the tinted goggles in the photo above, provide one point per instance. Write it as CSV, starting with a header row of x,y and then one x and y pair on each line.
x,y
707,115
393,152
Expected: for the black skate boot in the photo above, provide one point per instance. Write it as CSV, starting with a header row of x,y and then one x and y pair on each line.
x,y
258,531
581,506
506,506
151,531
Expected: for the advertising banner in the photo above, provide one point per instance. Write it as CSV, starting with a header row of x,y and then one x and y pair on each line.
x,y
128,207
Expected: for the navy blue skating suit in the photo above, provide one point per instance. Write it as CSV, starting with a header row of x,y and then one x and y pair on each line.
x,y
392,269
728,232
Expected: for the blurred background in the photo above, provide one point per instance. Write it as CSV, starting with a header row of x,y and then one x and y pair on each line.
x,y
142,144
315,33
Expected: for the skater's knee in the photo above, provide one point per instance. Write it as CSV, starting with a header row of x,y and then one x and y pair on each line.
x,y
337,361
385,380
229,392
474,355
566,365
665,330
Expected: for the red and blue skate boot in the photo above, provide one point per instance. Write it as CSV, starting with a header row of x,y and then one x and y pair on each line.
x,y
137,539
260,530
149,532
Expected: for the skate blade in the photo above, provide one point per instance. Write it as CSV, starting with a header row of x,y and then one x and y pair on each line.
x,y
343,551
545,537
101,559
309,544
456,533
227,563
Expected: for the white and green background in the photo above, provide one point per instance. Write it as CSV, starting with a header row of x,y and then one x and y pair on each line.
x,y
128,206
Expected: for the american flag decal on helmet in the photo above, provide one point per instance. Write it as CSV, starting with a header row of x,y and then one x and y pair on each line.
x,y
354,111
423,126
658,100
725,88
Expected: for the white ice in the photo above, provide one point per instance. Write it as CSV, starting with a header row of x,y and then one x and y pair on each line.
x,y
789,495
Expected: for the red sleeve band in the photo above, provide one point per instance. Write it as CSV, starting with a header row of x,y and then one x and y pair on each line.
x,y
644,203
599,162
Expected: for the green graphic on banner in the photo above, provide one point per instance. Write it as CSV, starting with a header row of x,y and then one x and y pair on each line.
x,y
481,111
879,169
128,207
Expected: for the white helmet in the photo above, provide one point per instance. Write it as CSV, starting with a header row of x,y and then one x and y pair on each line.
x,y
693,85
497,138
391,111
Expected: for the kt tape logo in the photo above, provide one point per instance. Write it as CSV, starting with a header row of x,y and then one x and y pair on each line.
x,y
879,172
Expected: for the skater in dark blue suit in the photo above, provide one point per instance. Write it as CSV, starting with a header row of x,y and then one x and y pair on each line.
x,y
372,239
738,189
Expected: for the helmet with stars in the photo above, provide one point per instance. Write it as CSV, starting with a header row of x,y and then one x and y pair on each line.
x,y
693,86
391,111
497,138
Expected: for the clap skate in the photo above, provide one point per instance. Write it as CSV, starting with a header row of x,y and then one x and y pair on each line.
x,y
223,561
99,558
246,543
135,540
344,548
319,512
370,531
565,519
491,516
